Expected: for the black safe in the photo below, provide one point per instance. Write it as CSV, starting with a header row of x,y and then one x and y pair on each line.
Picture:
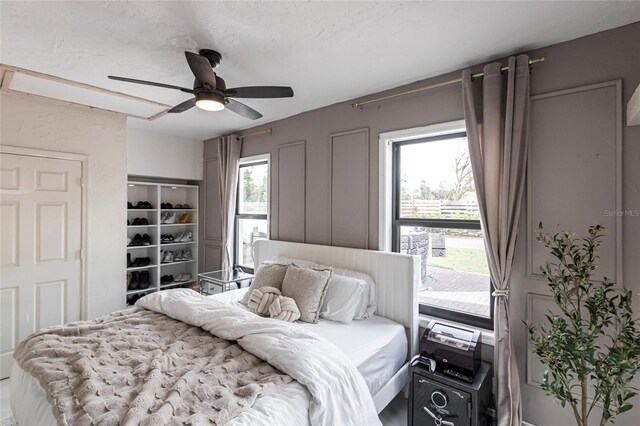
x,y
441,400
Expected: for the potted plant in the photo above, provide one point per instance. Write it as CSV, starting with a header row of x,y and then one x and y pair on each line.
x,y
594,341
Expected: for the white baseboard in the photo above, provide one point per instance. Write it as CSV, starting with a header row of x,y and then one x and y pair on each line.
x,y
527,424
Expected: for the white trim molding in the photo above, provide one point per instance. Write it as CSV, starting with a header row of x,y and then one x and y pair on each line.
x,y
385,169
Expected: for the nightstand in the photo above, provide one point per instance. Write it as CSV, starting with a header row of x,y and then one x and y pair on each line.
x,y
441,400
220,281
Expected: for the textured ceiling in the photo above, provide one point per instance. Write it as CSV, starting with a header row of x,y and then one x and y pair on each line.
x,y
327,51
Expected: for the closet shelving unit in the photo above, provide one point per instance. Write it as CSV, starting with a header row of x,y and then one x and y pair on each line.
x,y
158,194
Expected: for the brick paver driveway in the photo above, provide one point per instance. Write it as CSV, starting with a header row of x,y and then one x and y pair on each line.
x,y
457,290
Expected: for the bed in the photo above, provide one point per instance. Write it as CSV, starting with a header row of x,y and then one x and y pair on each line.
x,y
379,347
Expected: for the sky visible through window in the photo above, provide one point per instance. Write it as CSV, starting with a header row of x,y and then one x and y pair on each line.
x,y
433,162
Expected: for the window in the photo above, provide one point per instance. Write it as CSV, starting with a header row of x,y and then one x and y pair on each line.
x,y
435,216
252,208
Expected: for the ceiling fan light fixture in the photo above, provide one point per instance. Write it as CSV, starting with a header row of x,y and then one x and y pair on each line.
x,y
209,101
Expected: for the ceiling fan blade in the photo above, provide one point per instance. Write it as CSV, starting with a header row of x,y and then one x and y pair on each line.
x,y
201,69
150,83
242,109
183,106
260,92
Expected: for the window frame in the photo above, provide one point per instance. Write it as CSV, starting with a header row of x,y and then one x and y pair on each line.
x,y
397,222
244,163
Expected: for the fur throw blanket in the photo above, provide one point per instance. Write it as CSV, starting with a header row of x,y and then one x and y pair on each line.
x,y
142,367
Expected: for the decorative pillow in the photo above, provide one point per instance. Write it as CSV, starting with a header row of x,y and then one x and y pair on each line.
x,y
344,297
261,298
285,309
308,287
271,275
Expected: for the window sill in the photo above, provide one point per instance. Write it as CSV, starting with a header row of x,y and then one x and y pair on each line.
x,y
487,337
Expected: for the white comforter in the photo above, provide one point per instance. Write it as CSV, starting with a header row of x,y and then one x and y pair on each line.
x,y
339,394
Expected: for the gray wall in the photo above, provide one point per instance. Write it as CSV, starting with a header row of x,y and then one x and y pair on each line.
x,y
584,161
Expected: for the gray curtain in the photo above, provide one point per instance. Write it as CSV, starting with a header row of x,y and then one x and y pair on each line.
x,y
496,110
229,148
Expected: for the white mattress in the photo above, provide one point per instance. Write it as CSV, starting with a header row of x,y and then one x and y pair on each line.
x,y
377,347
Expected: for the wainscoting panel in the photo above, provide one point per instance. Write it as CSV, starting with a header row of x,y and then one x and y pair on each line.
x,y
569,188
212,255
349,155
291,200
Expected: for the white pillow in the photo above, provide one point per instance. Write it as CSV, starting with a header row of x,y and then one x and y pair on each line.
x,y
344,297
367,305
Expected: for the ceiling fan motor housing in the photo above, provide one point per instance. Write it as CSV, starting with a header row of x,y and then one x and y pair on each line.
x,y
213,56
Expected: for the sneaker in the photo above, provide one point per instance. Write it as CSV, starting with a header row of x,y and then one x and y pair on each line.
x,y
146,240
137,240
186,255
178,237
183,278
170,218
163,217
177,255
186,237
164,256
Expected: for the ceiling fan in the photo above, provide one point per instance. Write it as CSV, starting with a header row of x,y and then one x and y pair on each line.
x,y
211,93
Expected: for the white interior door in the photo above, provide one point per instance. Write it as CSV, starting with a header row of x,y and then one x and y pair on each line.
x,y
40,258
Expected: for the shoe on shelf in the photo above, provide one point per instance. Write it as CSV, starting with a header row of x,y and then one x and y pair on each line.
x,y
167,256
186,237
137,240
170,218
178,237
166,206
184,277
186,206
128,281
177,255
129,262
128,223
186,255
129,205
146,240
144,221
166,279
136,221
135,281
144,280
163,216
184,218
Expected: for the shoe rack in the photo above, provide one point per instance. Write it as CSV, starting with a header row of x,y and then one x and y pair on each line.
x,y
159,195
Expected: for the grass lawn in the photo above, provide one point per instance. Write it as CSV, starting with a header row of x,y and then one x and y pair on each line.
x,y
462,259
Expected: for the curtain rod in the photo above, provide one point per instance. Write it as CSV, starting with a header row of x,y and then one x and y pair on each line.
x,y
431,86
261,132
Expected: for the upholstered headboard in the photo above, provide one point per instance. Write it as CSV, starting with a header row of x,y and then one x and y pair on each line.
x,y
396,276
